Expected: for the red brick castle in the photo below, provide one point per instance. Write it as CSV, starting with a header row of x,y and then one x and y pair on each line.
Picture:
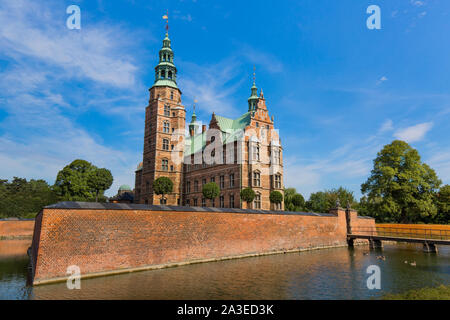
x,y
234,153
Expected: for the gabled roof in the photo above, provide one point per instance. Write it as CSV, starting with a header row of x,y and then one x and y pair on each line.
x,y
239,123
197,142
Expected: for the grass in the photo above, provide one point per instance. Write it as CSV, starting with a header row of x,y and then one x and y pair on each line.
x,y
438,293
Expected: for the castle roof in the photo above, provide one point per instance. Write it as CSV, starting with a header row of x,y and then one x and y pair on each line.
x,y
125,187
197,142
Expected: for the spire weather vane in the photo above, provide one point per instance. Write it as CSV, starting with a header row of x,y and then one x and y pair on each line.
x,y
166,17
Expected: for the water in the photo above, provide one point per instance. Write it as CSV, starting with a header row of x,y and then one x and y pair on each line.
x,y
322,274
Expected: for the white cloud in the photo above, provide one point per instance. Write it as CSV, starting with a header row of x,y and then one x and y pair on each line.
x,y
387,125
417,3
414,133
382,79
42,101
32,30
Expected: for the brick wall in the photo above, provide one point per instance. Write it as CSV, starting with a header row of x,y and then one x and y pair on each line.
x,y
103,241
16,228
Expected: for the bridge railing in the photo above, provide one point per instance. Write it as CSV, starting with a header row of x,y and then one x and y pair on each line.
x,y
403,232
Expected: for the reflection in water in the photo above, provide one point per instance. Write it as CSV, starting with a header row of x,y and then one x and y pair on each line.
x,y
323,274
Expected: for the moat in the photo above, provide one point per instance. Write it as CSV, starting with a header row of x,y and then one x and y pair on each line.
x,y
338,273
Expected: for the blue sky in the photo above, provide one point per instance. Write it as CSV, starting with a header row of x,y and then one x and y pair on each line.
x,y
338,90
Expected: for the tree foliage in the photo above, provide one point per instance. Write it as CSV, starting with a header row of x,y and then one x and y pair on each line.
x,y
82,181
443,204
293,201
401,188
210,190
276,197
323,201
24,199
247,194
100,180
162,186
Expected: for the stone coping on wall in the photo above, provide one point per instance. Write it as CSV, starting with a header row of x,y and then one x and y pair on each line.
x,y
145,207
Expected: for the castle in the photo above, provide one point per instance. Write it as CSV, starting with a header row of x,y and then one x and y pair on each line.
x,y
234,153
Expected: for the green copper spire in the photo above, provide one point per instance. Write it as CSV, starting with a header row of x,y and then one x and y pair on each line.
x,y
165,71
193,126
253,99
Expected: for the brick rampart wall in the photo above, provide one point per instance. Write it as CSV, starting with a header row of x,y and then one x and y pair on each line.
x,y
10,229
102,241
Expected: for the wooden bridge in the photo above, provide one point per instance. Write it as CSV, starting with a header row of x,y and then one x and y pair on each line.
x,y
429,236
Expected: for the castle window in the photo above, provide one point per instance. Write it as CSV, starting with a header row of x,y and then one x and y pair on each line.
x,y
213,179
222,182
188,187
163,74
187,202
256,153
173,114
171,95
163,201
167,110
165,165
276,156
171,168
212,139
231,180
196,185
257,201
203,202
166,127
170,77
195,202
222,201
231,200
165,145
278,181
203,182
256,179
257,124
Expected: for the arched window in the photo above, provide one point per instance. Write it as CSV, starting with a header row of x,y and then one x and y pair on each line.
x,y
165,144
169,75
256,179
166,127
163,74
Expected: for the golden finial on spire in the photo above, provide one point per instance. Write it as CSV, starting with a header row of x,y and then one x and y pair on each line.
x,y
254,74
166,17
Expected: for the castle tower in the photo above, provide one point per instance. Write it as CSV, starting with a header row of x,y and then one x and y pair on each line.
x,y
164,131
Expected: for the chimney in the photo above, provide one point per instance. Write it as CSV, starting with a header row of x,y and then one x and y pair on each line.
x,y
203,128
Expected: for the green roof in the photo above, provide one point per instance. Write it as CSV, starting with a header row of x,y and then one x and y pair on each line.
x,y
125,187
165,83
198,142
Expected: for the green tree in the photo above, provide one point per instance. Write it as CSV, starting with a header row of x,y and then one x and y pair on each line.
x,y
162,186
24,199
81,181
99,180
210,190
276,197
323,201
318,202
401,188
298,201
293,201
248,195
443,204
